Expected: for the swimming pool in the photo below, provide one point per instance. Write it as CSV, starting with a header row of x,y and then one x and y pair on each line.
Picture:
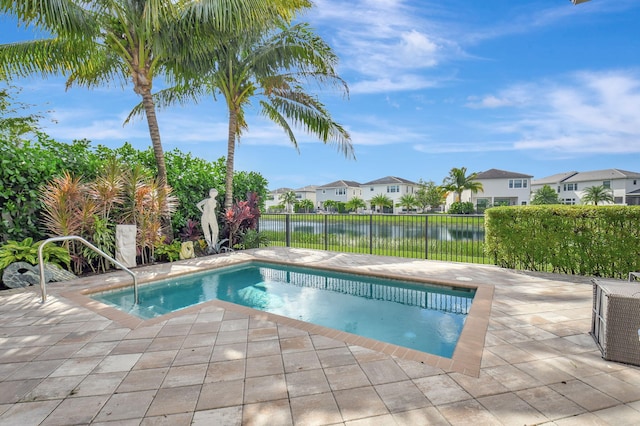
x,y
426,318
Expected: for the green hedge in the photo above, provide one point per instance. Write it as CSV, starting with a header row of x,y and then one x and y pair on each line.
x,y
585,240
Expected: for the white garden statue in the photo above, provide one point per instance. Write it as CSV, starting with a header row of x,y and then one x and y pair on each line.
x,y
209,217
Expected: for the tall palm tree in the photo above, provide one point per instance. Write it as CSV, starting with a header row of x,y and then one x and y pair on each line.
x,y
545,195
381,201
355,203
597,194
408,201
458,181
289,199
273,64
95,42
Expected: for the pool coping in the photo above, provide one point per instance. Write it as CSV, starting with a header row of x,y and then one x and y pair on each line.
x,y
466,358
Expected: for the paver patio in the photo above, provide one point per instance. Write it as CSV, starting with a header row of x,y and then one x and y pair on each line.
x,y
74,361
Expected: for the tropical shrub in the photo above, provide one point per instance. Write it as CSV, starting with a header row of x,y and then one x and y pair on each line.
x,y
27,251
253,239
461,208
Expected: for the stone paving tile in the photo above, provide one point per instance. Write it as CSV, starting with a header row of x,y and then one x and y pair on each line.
x,y
512,378
422,417
127,405
264,366
359,403
615,388
99,384
262,348
229,352
194,355
484,385
76,411
218,395
29,413
510,409
174,400
147,379
225,370
181,419
467,412
336,356
14,391
297,361
441,389
402,396
267,413
228,416
346,377
384,420
265,388
157,359
383,371
316,409
550,403
584,395
185,375
306,382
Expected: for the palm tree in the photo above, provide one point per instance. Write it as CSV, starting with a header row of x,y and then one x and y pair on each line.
x,y
94,43
545,195
288,199
381,201
408,201
458,181
597,194
329,205
305,204
355,203
274,64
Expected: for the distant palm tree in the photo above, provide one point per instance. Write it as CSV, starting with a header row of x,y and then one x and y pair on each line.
x,y
458,181
545,195
305,204
408,201
288,199
355,203
381,201
597,194
329,205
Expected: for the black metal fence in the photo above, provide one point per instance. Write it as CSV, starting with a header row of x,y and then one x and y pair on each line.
x,y
458,238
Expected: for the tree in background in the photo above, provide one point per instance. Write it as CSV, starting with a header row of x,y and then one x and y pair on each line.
x,y
458,181
430,195
355,203
288,199
408,202
305,205
597,194
330,205
545,195
381,201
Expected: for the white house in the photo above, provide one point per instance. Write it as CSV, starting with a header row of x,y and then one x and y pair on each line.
x,y
500,187
391,186
305,193
340,190
570,186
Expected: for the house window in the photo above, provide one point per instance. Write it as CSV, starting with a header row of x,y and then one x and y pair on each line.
x,y
393,188
606,184
570,186
517,183
341,191
298,196
371,189
617,200
323,191
558,189
568,201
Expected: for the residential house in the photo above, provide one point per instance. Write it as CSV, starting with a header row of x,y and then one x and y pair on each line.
x,y
500,188
570,186
390,186
305,193
340,190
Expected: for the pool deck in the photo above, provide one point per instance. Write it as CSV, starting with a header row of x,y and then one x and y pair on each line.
x,y
524,357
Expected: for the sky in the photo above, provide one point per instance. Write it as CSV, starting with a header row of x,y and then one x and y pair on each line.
x,y
532,86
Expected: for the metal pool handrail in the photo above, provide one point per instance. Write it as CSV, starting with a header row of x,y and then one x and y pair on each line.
x,y
43,289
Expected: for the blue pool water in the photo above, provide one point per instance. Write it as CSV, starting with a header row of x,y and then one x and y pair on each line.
x,y
421,317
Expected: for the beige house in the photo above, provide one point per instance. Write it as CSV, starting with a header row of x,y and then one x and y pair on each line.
x,y
570,186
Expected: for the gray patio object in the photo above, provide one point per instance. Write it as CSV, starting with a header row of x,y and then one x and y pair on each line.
x,y
23,274
615,324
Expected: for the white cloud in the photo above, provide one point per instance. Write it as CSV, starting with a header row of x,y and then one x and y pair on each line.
x,y
589,112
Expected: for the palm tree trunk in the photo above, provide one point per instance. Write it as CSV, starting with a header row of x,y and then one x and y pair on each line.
x,y
231,148
154,133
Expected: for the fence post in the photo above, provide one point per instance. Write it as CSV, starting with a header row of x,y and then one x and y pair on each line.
x,y
287,230
326,232
371,234
426,236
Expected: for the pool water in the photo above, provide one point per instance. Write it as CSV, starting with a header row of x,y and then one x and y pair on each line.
x,y
426,318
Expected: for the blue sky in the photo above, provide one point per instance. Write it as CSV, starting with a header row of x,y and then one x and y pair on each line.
x,y
533,86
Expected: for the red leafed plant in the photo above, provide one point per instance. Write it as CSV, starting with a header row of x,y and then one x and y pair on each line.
x,y
235,216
